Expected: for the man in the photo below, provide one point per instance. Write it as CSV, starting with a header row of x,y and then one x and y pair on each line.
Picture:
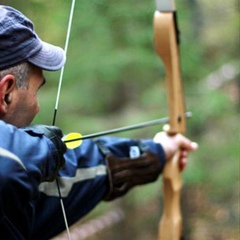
x,y
32,156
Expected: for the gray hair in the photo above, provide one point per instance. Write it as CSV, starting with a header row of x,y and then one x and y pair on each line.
x,y
21,73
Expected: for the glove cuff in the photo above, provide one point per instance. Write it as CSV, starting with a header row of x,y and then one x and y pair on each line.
x,y
124,173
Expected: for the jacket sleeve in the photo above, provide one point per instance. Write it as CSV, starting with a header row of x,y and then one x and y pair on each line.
x,y
83,179
36,152
83,182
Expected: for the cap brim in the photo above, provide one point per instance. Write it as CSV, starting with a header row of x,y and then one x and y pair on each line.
x,y
50,57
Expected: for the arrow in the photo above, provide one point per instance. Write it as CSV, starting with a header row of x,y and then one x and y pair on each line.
x,y
78,137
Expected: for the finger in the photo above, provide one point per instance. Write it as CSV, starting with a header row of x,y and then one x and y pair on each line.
x,y
185,143
184,154
194,146
183,164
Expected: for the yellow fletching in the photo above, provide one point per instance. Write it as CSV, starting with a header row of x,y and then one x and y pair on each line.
x,y
73,140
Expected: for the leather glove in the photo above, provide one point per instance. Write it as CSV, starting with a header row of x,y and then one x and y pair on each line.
x,y
55,135
125,173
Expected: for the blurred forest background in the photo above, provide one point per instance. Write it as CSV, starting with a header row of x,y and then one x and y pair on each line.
x,y
113,78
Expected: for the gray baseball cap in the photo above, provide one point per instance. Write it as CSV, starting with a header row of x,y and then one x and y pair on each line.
x,y
19,42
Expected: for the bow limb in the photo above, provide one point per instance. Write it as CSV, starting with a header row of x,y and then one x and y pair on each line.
x,y
166,43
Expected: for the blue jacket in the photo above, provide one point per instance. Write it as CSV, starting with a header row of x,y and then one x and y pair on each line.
x,y
29,206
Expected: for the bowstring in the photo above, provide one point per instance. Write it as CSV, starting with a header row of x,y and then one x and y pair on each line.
x,y
62,69
56,108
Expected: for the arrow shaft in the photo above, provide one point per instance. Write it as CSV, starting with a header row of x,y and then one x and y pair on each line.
x,y
127,128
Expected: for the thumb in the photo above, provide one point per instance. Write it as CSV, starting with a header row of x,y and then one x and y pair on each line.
x,y
185,143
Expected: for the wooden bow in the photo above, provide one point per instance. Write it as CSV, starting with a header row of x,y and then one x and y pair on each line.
x,y
166,43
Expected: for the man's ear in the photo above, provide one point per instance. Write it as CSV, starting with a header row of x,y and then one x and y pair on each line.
x,y
7,85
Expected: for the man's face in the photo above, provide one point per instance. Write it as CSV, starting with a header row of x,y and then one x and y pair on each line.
x,y
24,103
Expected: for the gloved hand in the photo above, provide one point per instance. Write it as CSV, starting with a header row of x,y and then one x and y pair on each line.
x,y
55,135
125,173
